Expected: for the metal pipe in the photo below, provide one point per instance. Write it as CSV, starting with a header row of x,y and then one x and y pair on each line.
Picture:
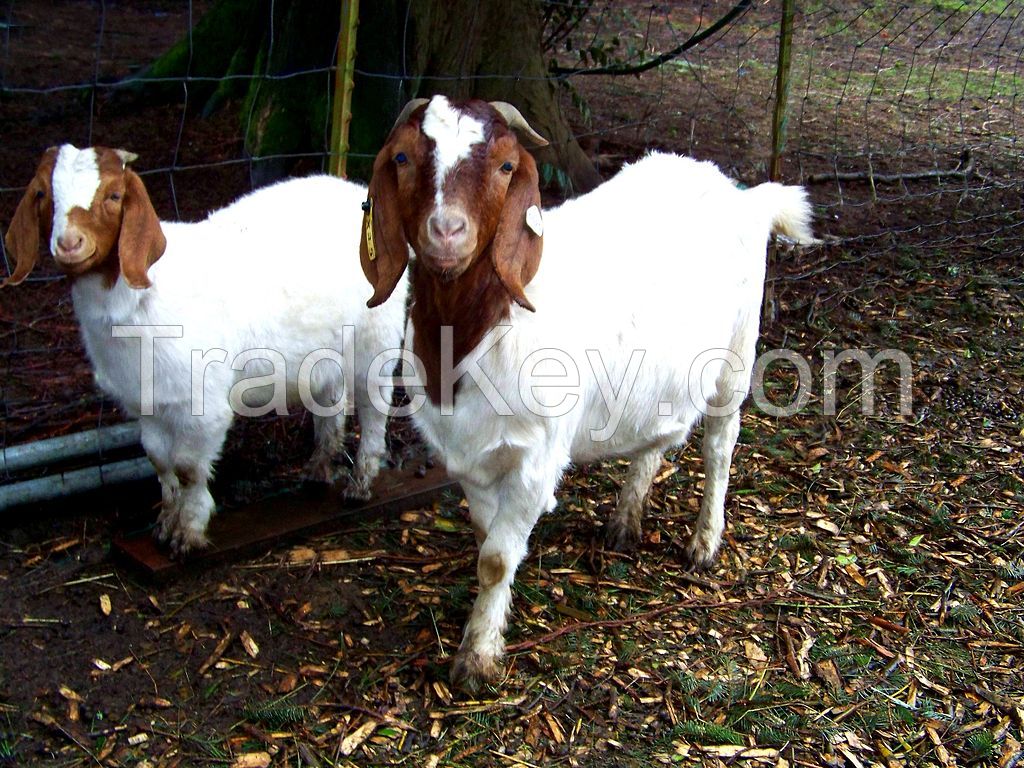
x,y
95,442
76,481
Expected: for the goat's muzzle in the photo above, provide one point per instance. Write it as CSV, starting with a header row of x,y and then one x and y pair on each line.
x,y
73,247
448,242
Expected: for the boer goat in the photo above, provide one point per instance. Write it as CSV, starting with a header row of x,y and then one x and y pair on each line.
x,y
177,317
641,319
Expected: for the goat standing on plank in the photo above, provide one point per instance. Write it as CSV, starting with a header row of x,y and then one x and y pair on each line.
x,y
647,307
263,280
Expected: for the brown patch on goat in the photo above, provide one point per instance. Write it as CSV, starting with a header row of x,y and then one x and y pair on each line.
x,y
122,222
471,304
490,570
516,249
478,295
141,241
388,196
32,221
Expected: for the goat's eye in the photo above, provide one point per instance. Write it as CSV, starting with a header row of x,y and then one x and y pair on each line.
x,y
507,167
39,194
114,196
401,158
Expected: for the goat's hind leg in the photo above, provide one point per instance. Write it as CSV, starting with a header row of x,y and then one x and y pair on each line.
x,y
720,434
328,445
623,529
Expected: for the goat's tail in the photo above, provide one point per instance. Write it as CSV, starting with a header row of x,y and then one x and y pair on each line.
x,y
787,208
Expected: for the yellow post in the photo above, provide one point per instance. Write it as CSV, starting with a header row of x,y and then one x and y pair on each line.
x,y
343,84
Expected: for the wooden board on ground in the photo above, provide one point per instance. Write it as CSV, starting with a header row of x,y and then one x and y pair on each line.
x,y
315,509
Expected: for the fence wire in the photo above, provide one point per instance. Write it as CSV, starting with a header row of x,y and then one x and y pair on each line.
x,y
904,122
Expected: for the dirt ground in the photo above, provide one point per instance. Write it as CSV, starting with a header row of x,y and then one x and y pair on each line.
x,y
866,608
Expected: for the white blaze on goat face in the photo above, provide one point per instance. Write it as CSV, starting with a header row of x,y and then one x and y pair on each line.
x,y
76,178
454,135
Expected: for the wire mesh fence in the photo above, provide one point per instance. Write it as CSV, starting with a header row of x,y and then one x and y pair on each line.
x,y
903,121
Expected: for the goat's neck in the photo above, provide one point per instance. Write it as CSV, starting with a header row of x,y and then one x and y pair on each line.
x,y
97,301
471,304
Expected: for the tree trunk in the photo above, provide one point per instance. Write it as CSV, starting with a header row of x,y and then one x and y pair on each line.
x,y
489,49
492,51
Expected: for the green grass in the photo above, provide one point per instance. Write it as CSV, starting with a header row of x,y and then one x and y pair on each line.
x,y
925,80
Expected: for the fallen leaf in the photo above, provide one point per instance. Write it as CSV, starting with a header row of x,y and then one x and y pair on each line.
x,y
754,653
827,525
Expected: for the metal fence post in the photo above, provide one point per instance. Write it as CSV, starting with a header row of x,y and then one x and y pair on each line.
x,y
343,84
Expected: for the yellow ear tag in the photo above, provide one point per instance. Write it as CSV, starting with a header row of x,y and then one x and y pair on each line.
x,y
371,249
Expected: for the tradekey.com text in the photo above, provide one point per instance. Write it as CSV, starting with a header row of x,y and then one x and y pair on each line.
x,y
549,383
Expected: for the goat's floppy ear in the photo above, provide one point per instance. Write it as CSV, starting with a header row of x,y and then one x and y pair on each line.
x,y
383,249
32,221
141,241
518,240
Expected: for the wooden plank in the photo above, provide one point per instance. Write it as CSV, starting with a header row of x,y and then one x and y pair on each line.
x,y
316,509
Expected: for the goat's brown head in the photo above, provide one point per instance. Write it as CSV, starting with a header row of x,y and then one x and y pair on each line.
x,y
453,182
92,209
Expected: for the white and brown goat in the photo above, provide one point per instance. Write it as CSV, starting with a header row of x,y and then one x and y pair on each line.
x,y
640,320
181,321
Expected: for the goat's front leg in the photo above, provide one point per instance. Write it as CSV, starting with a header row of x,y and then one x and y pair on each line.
x,y
520,502
194,444
159,445
373,427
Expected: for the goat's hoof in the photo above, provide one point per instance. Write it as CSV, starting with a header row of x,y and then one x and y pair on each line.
x,y
181,540
358,490
321,471
698,556
620,536
471,671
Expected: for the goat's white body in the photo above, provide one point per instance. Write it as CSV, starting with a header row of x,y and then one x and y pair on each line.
x,y
666,259
275,270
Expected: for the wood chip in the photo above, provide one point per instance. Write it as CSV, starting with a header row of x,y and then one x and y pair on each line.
x,y
738,751
214,657
249,644
352,742
252,760
105,606
556,729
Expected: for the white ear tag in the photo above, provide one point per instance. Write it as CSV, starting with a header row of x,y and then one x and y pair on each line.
x,y
534,220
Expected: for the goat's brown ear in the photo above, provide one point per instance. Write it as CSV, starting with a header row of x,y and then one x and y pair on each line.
x,y
383,249
32,221
518,240
141,241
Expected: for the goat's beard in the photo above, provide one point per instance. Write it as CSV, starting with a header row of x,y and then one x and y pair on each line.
x,y
446,268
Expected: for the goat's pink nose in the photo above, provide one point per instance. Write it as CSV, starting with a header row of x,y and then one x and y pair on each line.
x,y
447,227
70,242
